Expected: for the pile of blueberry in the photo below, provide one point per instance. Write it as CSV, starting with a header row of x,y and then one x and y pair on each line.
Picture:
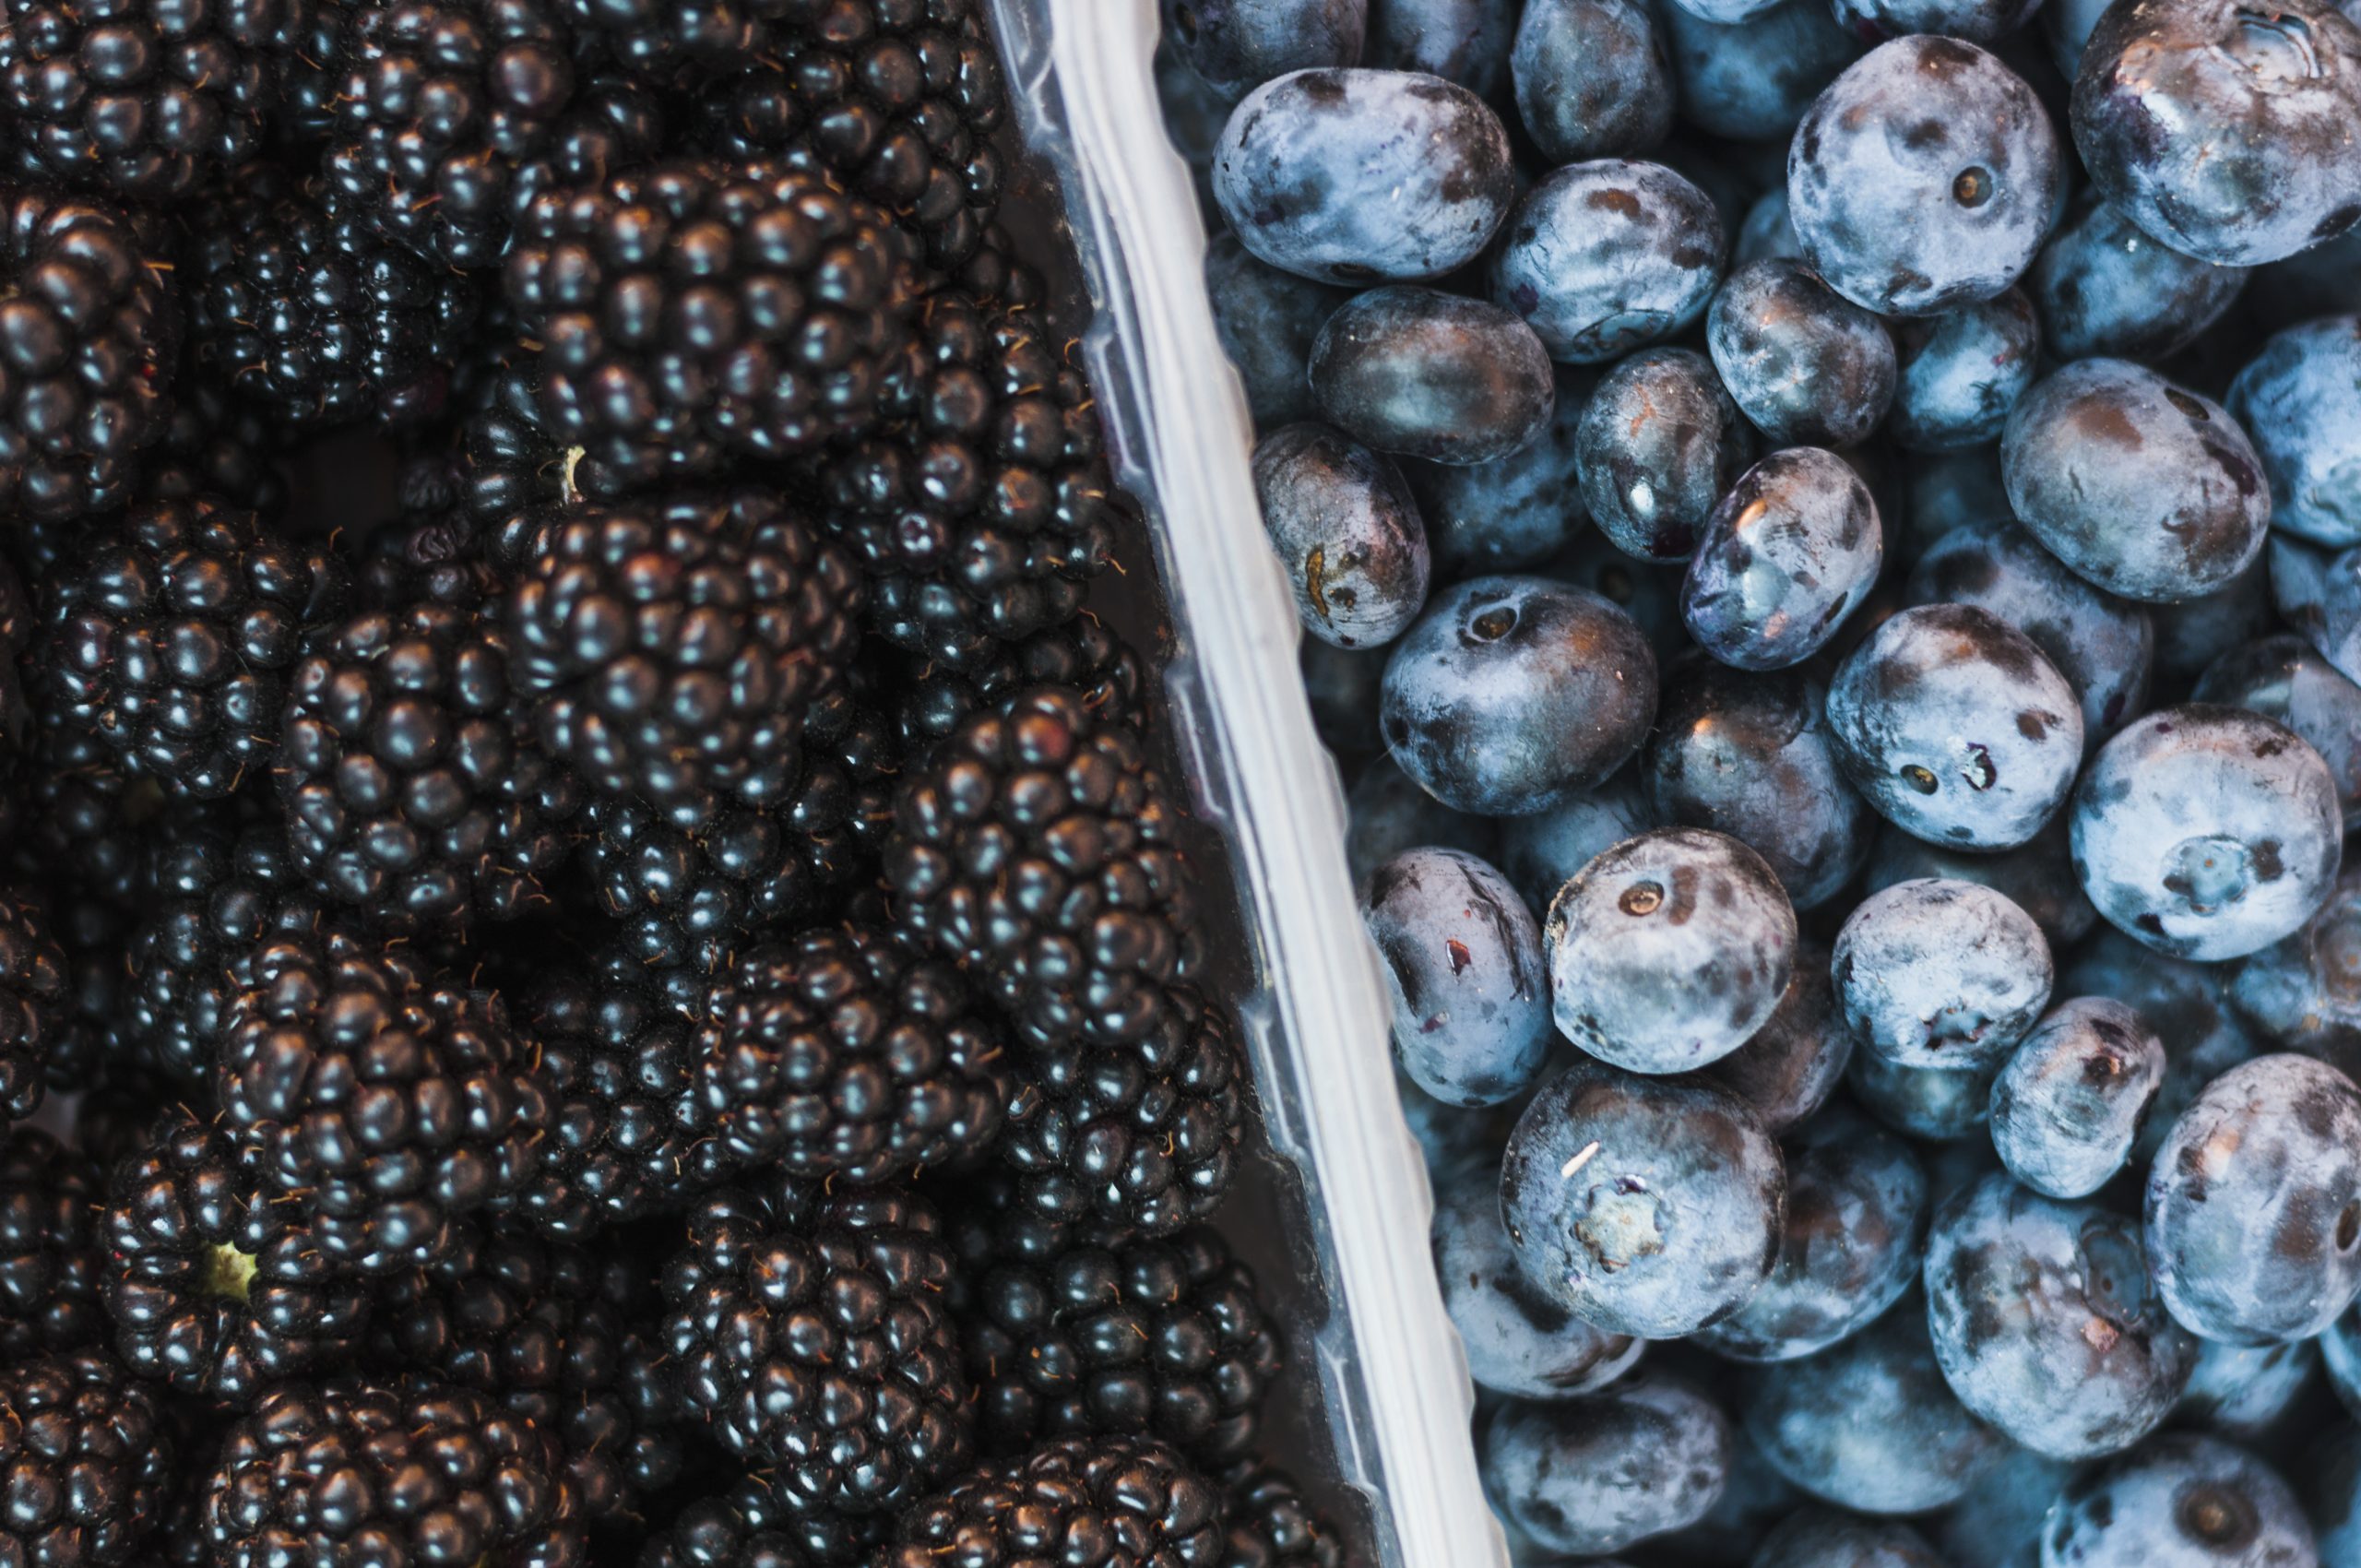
x,y
1830,532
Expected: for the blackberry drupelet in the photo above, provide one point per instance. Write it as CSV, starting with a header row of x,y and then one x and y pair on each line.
x,y
1036,845
89,325
812,1334
1095,1502
673,650
172,633
49,1247
387,1100
1085,653
88,1455
1166,1339
213,1283
697,311
404,1471
33,1004
1271,1524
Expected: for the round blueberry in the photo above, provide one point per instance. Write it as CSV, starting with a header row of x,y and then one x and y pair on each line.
x,y
2071,1098
1234,44
1766,231
1670,950
2302,993
1821,1538
1978,22
1787,1069
2241,1392
1464,970
1267,321
1996,1521
2193,633
1512,695
1591,79
2223,129
1658,443
1604,257
1651,1206
1751,78
1937,1104
1945,491
1386,813
1786,555
1518,1341
1347,531
1597,1474
1960,372
2281,678
1432,376
1806,366
1510,515
1349,176
1542,852
2037,876
1942,975
2045,1321
2180,1502
1461,41
2300,398
2184,1005
2104,288
2319,594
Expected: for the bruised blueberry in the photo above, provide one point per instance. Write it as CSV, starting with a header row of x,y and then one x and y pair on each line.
x,y
2186,1006
1464,973
1807,366
1658,443
1432,376
1790,553
1347,532
1943,975
1606,256
2073,1096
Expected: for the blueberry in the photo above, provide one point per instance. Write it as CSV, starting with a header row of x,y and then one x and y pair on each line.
x,y
2037,876
1821,1538
2281,677
1518,1341
1960,372
1464,970
1194,112
1938,1104
1512,695
1997,1524
2340,1352
1921,181
1460,1145
2045,1321
1869,1425
1267,321
2066,26
1807,366
1945,491
2071,1098
2101,644
1658,443
1751,77
1978,22
1510,515
1722,13
2184,1005
1755,1497
1432,376
1765,233
2241,1392
2299,993
2224,130
2319,594
1236,45
2300,398
1387,814
1956,727
1670,950
1349,176
1788,1068
1347,532
1597,1474
1786,555
1942,975
1750,755
2207,832
1856,1212
1542,852
2180,1502
1651,1206
1603,257
1650,595
2335,1499
2193,633
2104,288
1461,41
1342,686
1591,79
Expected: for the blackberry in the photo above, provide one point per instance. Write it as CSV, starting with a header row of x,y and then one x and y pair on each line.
x,y
215,1284
404,1471
218,445
1166,1339
18,622
982,511
1092,1503
172,634
415,792
811,1332
738,1527
33,1004
115,1120
88,1461
90,327
49,1250
847,1052
387,1100
1271,1525
673,650
1084,653
1036,845
697,311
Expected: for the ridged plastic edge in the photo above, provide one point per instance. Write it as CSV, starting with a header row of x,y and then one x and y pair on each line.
x,y
1081,76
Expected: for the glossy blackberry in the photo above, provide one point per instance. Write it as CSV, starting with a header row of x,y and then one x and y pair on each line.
x,y
151,103
33,1004
218,445
812,1334
1036,845
847,1052
1166,1339
984,508
739,1527
172,633
1273,1526
87,1456
900,98
674,650
699,310
49,1248
214,1284
1085,653
1096,1502
89,325
404,1471
387,1100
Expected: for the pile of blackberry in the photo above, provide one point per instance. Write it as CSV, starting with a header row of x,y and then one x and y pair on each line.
x,y
596,966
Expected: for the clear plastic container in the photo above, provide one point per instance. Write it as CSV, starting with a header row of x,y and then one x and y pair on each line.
x,y
1392,1379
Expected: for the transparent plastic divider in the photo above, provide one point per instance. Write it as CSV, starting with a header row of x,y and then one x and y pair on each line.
x,y
1397,1392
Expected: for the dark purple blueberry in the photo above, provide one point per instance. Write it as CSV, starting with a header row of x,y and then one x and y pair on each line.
x,y
1236,45
1751,76
1512,514
1788,1068
2037,876
1267,321
2180,1502
2193,633
1541,853
2300,401
1649,594
2241,1392
1658,443
2223,129
1670,950
1465,42
1512,695
1591,79
1598,1474
1942,975
2186,1005
1347,532
2254,1203
2281,677
1765,233
2207,832
1962,371
1937,1104
1350,177
1786,555
1821,1538
2066,26
1944,491
1465,974
2104,288
2319,594
1432,376
1387,814
1809,367
1519,1339
1603,257
2302,993
2073,1095
1922,180
1651,1206
1978,22
1750,755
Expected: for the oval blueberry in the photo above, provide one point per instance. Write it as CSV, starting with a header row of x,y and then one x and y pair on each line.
x,y
1519,1340
1346,530
1960,372
2104,288
1596,1475
1591,79
2300,398
1942,975
1807,367
1432,376
1658,443
2073,1096
1235,43
1604,257
1786,555
1267,321
1464,969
